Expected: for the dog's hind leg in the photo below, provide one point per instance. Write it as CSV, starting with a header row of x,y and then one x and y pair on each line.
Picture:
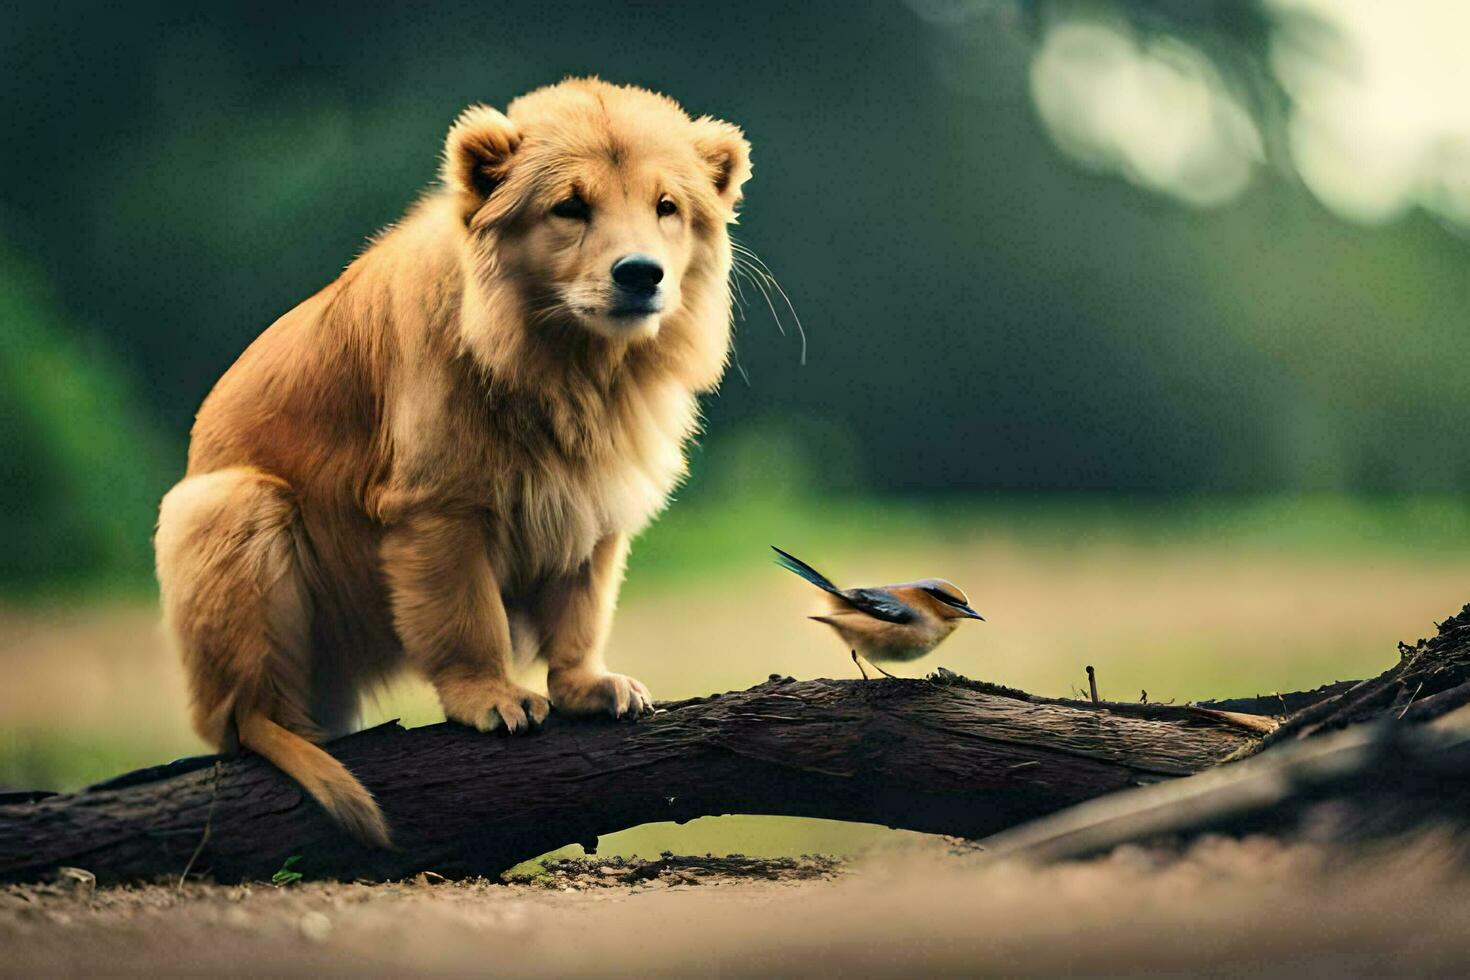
x,y
232,573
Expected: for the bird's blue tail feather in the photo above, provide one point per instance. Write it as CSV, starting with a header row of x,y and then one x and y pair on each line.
x,y
794,564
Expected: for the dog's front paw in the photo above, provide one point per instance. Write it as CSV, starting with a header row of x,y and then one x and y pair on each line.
x,y
582,692
487,704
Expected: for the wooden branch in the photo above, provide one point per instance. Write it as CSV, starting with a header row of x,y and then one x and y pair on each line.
x,y
946,756
951,757
1357,760
1360,783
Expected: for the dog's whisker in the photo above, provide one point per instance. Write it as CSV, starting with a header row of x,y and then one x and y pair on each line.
x,y
760,264
738,275
742,271
737,293
735,355
758,282
762,282
757,266
548,313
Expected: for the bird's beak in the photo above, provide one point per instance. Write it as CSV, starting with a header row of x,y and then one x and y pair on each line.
x,y
968,612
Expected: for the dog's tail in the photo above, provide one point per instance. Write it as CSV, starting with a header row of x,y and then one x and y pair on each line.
x,y
794,564
327,780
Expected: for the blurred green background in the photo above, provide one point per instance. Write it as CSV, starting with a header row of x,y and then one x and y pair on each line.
x,y
1144,321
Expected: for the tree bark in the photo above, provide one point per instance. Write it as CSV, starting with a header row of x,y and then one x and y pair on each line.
x,y
952,757
945,756
1373,759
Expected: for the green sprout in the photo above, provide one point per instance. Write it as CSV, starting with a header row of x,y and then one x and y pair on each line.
x,y
286,875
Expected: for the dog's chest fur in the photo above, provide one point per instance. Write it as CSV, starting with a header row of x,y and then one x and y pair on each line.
x,y
552,473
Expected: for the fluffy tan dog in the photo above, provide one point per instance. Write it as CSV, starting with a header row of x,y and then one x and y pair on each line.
x,y
441,456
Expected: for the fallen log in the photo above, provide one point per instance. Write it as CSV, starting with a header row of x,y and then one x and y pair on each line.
x,y
1379,758
951,757
943,755
1365,782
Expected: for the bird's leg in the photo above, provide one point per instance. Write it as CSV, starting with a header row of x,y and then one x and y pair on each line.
x,y
881,670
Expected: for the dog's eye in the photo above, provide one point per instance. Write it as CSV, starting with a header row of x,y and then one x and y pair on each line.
x,y
573,207
666,207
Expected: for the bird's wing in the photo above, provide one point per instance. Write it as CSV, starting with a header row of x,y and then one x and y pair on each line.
x,y
879,604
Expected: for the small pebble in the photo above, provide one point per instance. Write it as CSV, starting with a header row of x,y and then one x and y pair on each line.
x,y
77,881
315,926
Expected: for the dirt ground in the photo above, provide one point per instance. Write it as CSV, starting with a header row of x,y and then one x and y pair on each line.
x,y
1224,907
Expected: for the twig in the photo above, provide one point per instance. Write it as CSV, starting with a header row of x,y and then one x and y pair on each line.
x,y
1411,701
208,826
1092,682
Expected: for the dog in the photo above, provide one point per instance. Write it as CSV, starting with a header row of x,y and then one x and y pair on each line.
x,y
441,457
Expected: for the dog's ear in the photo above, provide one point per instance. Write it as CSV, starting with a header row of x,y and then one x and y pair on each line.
x,y
478,151
723,148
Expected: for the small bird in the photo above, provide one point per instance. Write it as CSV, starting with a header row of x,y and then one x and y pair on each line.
x,y
888,622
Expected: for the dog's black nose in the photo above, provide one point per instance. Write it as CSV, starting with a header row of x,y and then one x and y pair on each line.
x,y
638,273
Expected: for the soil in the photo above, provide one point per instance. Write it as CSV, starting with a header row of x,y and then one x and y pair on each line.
x,y
1253,906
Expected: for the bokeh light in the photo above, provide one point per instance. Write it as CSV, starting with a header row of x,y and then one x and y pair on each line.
x,y
1380,103
1153,110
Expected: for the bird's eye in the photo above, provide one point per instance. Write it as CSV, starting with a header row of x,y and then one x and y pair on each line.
x,y
666,207
573,207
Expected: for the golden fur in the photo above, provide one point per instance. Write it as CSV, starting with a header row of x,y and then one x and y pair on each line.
x,y
443,454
